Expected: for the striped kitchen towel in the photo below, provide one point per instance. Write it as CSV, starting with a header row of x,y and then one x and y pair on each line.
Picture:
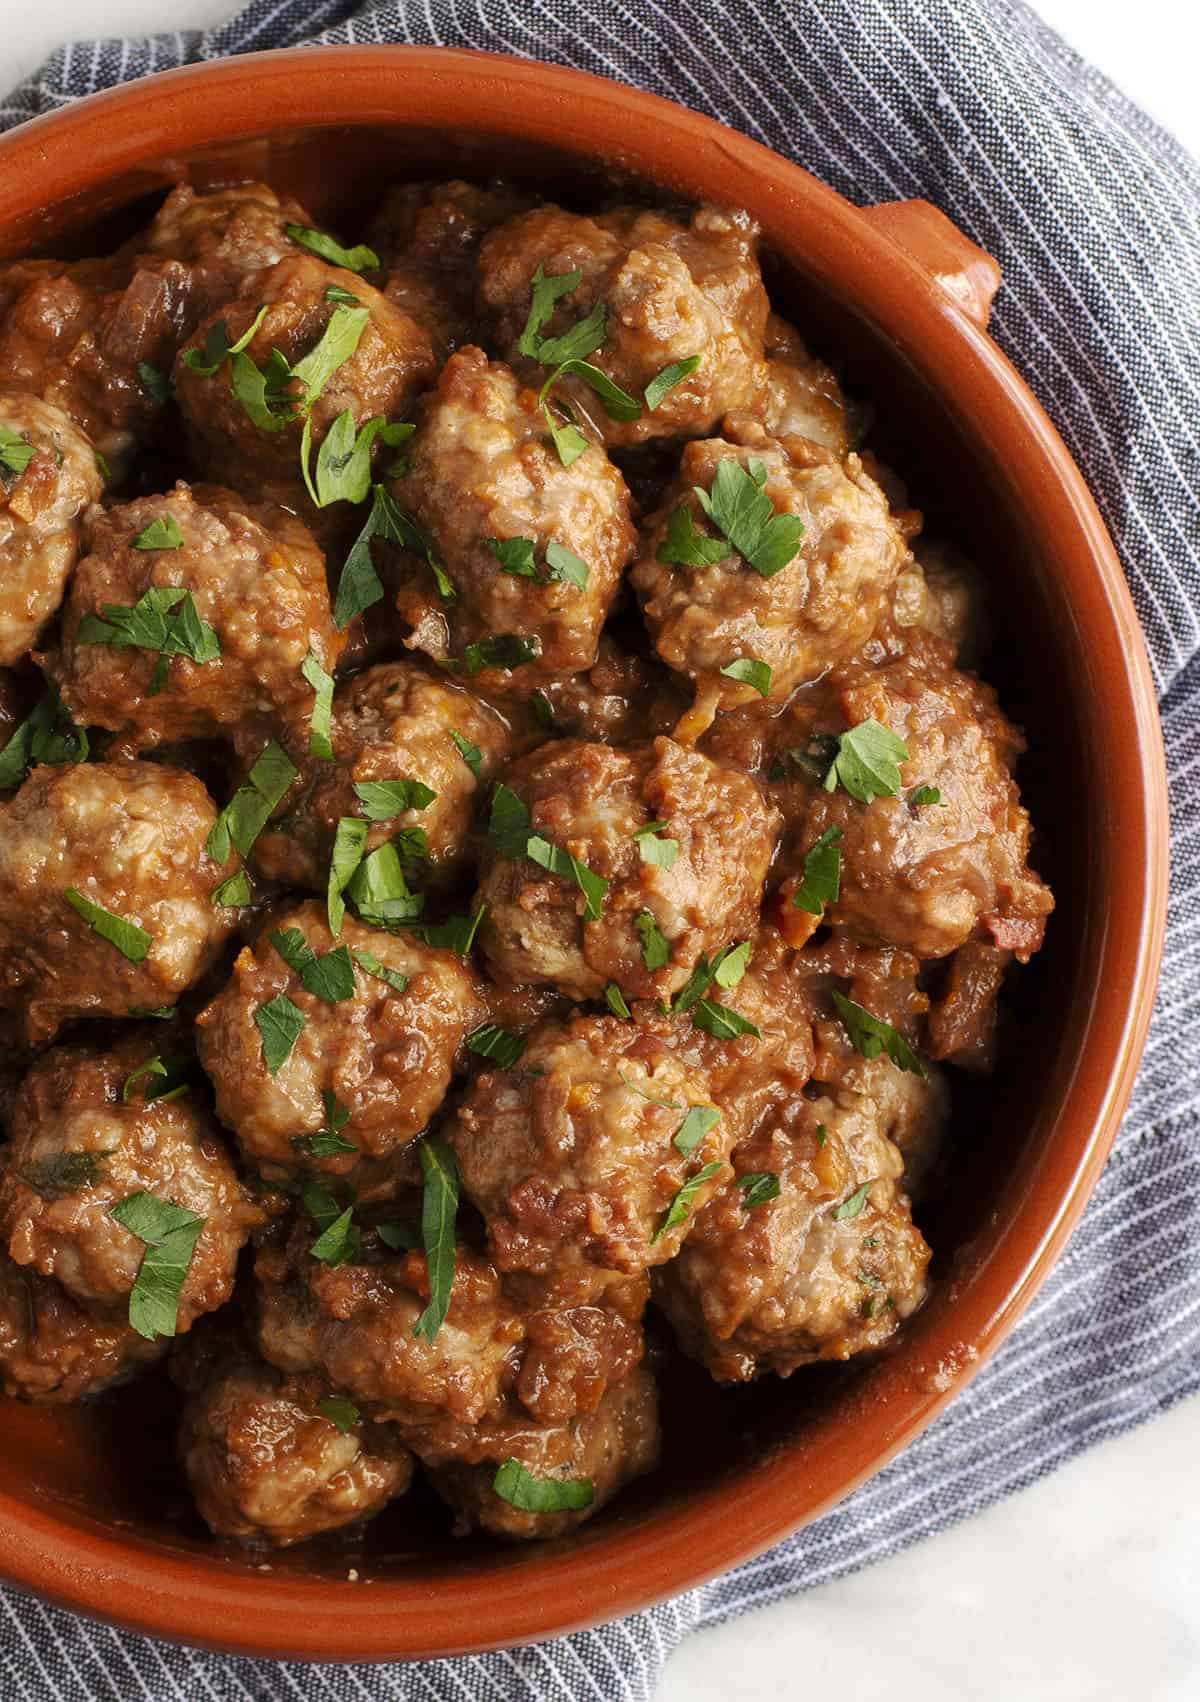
x,y
1094,214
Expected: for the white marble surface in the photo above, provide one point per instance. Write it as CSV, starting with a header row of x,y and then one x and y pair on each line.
x,y
1086,1588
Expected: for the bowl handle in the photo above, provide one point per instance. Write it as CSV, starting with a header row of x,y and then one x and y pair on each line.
x,y
967,273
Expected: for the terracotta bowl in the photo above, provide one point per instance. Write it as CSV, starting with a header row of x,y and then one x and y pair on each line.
x,y
90,1513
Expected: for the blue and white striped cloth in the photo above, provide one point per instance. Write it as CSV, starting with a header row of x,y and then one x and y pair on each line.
x,y
1094,214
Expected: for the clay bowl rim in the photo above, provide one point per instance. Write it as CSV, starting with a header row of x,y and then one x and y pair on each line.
x,y
78,1563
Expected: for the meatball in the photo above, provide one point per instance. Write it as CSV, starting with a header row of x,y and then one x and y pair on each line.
x,y
826,1268
277,1459
393,722
83,1137
96,850
816,610
919,872
222,236
390,359
683,845
256,581
82,335
355,1323
53,1350
574,1157
804,399
534,550
48,477
428,237
572,1353
670,293
603,1450
383,1053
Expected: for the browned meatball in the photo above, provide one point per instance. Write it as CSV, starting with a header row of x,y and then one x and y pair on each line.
x,y
800,619
222,236
393,722
78,1147
573,1353
256,580
571,1157
604,1449
919,873
428,237
355,1322
384,1054
825,1269
593,801
80,336
55,1351
804,399
483,475
128,840
670,292
264,1459
391,358
48,477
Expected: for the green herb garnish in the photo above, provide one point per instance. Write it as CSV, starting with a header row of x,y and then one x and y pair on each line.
x,y
750,672
383,799
471,754
15,452
248,811
47,735
357,259
740,509
870,1036
390,977
516,556
170,1234
822,881
656,949
615,1000
340,1412
131,941
721,1022
685,546
865,762
529,1494
329,977
439,1208
922,796
280,1024
758,1186
681,1205
218,348
661,385
851,1206
699,1120
328,1140
499,1044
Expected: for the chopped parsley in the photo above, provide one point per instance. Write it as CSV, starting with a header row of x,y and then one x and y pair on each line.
x,y
545,292
156,384
349,843
379,891
233,892
659,853
131,941
740,509
161,1080
516,556
758,1186
456,933
618,404
865,762
529,1494
684,546
439,1208
163,619
383,799
699,1120
922,796
46,735
661,385
822,880
390,977
339,1241
15,452
721,1022
751,672
248,811
280,1024
329,977
471,754
328,1139
161,534
65,1172
343,465
321,723
218,348
357,259
509,834
615,1000
680,1207
656,950
569,442
340,1412
726,970
852,1205
170,1234
870,1036
499,1044
506,650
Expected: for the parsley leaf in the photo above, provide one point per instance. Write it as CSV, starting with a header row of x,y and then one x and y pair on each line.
x,y
327,1141
562,863
333,348
161,1081
456,933
156,384
131,941
170,1234
530,1494
506,650
349,842
340,1412
658,853
750,672
65,1172
681,1205
565,566
401,1237
583,338
390,977
656,950
383,799
508,823
343,466
15,453
618,404
730,964
248,811
615,1000
359,585
721,1022
699,1120
280,1024
516,556
378,890
569,442
500,1044
852,1205
164,618
321,723
235,891
740,509
218,348
870,1036
439,1208
339,1241
161,534
329,977
661,385
685,546
544,293
822,880
758,1186
46,735
357,259
471,754
865,762
265,394
922,796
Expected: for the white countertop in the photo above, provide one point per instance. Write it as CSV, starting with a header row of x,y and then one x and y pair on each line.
x,y
1086,1588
